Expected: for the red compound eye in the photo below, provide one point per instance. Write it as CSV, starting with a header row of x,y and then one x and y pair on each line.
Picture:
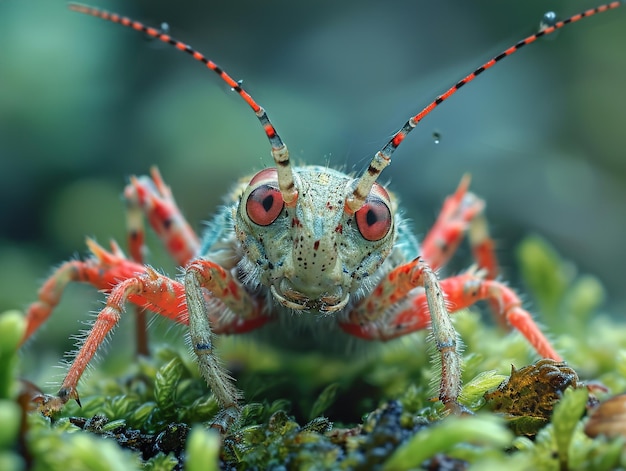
x,y
264,205
373,219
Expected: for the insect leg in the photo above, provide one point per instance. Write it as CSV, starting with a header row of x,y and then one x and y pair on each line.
x,y
149,288
204,322
466,289
102,270
433,311
136,244
461,292
152,197
446,341
462,212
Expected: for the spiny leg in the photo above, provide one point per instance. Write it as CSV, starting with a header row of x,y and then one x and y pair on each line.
x,y
199,275
202,339
466,289
393,288
165,297
374,319
149,288
106,269
370,320
446,342
152,197
460,292
50,294
461,212
102,270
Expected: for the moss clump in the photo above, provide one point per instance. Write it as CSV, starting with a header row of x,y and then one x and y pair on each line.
x,y
380,410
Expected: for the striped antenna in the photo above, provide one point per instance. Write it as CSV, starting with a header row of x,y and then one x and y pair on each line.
x,y
383,157
279,149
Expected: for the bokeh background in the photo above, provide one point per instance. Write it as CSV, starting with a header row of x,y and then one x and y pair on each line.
x,y
85,103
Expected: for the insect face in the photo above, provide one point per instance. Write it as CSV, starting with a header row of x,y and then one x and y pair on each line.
x,y
315,254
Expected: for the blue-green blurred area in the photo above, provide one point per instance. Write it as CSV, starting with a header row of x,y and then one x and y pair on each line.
x,y
84,104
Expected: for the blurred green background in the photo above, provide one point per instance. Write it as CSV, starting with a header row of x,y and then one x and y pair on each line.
x,y
85,103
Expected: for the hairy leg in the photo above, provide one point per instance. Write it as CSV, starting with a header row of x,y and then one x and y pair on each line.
x,y
203,323
149,288
103,270
460,292
371,319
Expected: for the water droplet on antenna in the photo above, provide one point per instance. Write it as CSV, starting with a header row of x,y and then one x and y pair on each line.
x,y
548,20
164,28
239,82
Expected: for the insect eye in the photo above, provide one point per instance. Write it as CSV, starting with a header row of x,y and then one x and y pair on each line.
x,y
264,205
269,174
373,219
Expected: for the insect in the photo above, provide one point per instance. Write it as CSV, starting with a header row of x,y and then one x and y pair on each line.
x,y
306,245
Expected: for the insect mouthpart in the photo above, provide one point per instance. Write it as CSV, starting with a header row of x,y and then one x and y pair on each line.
x,y
293,299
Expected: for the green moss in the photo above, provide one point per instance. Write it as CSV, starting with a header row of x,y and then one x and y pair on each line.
x,y
380,409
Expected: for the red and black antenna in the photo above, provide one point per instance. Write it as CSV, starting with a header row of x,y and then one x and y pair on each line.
x,y
279,149
383,157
